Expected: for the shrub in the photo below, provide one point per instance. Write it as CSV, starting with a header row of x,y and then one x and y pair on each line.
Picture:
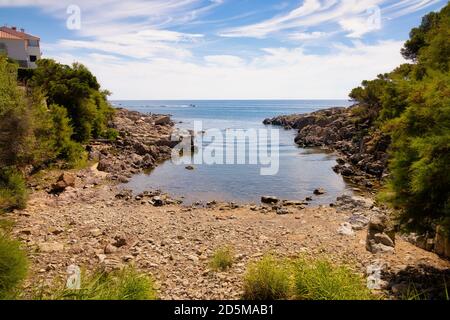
x,y
320,280
126,284
77,90
13,266
222,259
267,279
13,192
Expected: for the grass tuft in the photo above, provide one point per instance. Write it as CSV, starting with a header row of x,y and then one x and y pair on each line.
x,y
302,279
125,284
321,280
267,279
222,259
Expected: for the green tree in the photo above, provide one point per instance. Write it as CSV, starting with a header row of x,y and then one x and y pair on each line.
x,y
76,89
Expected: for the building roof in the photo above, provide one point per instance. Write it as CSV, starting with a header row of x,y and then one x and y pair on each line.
x,y
18,34
5,35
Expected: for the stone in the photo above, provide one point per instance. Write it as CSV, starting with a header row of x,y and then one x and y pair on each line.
x,y
190,168
127,258
377,223
49,247
158,202
64,181
384,239
293,203
95,233
110,249
269,200
163,120
105,165
119,241
346,229
358,222
319,191
374,273
125,194
282,211
56,231
376,248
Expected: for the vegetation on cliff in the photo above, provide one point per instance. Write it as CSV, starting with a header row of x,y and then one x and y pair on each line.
x,y
45,122
412,106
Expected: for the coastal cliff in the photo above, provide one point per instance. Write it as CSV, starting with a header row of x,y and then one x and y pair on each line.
x,y
362,149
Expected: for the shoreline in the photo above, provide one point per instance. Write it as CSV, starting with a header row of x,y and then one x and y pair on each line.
x,y
174,243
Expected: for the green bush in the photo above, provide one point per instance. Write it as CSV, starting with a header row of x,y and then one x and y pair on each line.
x,y
13,266
222,259
320,280
126,284
76,89
267,279
13,192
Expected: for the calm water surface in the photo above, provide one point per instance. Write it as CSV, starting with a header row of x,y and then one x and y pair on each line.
x,y
300,170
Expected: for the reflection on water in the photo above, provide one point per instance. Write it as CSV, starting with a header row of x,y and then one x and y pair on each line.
x,y
300,170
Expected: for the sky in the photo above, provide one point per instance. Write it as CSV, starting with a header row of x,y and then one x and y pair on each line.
x,y
223,49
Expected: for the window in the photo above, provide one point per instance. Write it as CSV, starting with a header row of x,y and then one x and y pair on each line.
x,y
33,43
33,58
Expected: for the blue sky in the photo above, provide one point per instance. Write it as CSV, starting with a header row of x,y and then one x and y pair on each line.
x,y
224,49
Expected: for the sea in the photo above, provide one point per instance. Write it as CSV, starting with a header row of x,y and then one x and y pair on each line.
x,y
300,171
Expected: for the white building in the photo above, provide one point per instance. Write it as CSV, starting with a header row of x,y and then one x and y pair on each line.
x,y
20,46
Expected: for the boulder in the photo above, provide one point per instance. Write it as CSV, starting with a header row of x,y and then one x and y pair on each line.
x,y
319,191
384,239
358,222
380,237
374,275
269,200
158,202
105,165
163,120
64,181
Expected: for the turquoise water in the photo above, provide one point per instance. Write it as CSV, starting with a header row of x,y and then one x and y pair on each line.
x,y
300,170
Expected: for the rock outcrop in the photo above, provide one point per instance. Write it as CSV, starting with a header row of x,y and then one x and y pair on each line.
x,y
363,150
143,142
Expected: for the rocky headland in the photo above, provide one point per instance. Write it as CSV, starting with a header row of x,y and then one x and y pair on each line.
x,y
143,142
362,151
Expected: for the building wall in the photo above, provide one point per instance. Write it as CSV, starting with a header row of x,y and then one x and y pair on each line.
x,y
33,51
16,49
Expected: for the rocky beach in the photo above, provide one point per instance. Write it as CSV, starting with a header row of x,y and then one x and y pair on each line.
x,y
85,218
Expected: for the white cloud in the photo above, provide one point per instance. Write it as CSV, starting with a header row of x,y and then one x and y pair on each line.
x,y
135,28
355,17
304,36
279,73
224,61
